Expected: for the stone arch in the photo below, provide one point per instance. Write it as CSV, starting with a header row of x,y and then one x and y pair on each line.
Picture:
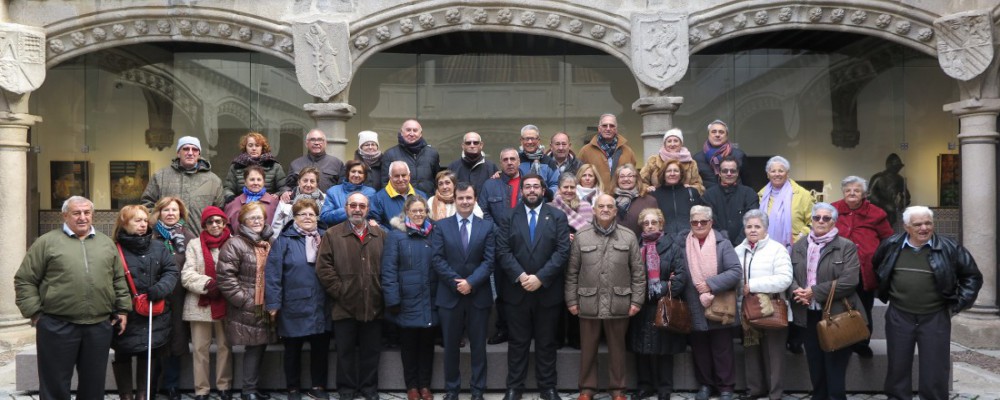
x,y
910,27
238,109
72,37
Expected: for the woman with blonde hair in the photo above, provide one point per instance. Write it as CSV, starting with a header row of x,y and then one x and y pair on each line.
x,y
589,183
630,196
254,150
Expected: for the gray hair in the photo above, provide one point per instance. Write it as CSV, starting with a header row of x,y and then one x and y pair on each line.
x,y
568,176
717,122
756,214
76,199
701,210
398,162
531,127
506,149
850,180
825,206
912,211
780,160
607,115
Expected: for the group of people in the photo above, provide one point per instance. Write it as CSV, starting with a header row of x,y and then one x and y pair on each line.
x,y
351,252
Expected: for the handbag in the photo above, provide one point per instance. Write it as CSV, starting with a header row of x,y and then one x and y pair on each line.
x,y
762,310
838,331
140,302
723,308
672,314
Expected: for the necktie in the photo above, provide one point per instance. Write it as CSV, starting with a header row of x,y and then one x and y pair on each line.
x,y
464,231
531,225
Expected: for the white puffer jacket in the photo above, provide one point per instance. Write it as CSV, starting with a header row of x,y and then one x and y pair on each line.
x,y
767,267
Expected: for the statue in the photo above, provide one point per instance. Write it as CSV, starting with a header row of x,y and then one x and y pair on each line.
x,y
887,189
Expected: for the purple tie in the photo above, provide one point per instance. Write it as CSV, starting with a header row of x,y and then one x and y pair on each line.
x,y
464,231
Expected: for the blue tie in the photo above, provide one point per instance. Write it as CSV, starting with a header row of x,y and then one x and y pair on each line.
x,y
465,234
531,225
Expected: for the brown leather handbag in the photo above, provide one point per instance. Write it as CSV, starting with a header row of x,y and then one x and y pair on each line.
x,y
723,308
672,314
765,311
843,329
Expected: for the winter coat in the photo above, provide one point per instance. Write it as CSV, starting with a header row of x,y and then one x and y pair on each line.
x,y
676,201
591,153
727,279
193,279
376,171
198,188
154,274
350,271
802,203
292,288
232,209
179,331
571,165
384,207
643,337
838,260
956,275
409,282
866,227
476,174
631,218
767,267
424,167
729,203
708,176
605,276
546,169
274,178
283,215
246,323
494,200
334,209
652,173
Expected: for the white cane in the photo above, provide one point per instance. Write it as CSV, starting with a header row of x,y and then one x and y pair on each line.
x,y
149,351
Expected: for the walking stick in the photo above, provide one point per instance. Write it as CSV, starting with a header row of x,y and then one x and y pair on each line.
x,y
149,351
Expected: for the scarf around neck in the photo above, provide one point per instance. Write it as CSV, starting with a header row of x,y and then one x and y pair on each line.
x,y
209,242
412,148
422,230
316,195
246,160
312,242
608,147
624,198
816,245
684,155
714,155
471,160
602,230
370,159
577,218
652,258
251,196
261,246
586,194
535,158
702,262
173,236
136,244
779,213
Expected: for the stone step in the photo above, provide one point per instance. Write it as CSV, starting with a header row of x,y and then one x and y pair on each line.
x,y
863,375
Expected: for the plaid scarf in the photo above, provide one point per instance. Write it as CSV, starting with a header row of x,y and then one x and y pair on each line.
x,y
608,147
578,218
714,155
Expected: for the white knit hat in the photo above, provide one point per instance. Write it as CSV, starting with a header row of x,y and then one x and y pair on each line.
x,y
674,132
191,140
367,136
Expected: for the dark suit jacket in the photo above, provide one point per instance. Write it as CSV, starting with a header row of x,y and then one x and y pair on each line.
x,y
545,258
451,262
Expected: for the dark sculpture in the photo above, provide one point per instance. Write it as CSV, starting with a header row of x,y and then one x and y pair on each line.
x,y
887,189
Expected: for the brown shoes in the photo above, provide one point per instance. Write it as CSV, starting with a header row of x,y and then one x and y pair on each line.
x,y
412,394
585,396
425,394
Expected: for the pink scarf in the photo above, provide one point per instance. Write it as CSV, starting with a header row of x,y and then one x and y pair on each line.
x,y
684,155
816,245
702,263
652,258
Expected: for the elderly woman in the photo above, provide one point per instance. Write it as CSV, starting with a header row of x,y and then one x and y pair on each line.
x,y
589,184
409,285
307,188
675,196
666,274
652,174
293,297
371,157
866,225
767,269
335,206
579,213
241,281
254,191
153,273
715,274
630,196
818,260
167,218
204,306
442,203
786,203
254,150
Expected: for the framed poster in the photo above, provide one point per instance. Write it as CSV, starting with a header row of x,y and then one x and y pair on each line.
x,y
949,180
67,179
128,181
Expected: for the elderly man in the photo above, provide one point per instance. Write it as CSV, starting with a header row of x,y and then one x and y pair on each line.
x,y
71,284
603,260
473,167
498,198
348,265
330,167
607,150
562,154
730,200
926,279
716,148
388,202
534,160
190,178
422,159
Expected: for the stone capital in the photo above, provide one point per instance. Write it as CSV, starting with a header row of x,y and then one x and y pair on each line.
x,y
657,104
335,111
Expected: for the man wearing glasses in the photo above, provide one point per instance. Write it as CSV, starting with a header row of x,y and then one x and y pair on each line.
x,y
190,178
716,148
730,199
472,166
607,150
330,167
534,160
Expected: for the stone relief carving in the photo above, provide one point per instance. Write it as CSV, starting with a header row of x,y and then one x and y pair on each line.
x,y
480,16
694,36
453,15
620,39
553,21
925,35
245,34
859,16
141,27
57,46
361,42
815,14
119,30
598,31
837,14
883,20
903,27
99,34
406,25
785,14
267,39
383,33
740,21
225,30
185,26
426,21
715,28
659,51
202,28
78,39
528,18
576,26
761,17
504,16
163,26
323,62
965,44
22,58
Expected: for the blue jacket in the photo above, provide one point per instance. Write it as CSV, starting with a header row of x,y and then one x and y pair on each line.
x,y
384,208
547,169
292,288
335,206
494,200
408,280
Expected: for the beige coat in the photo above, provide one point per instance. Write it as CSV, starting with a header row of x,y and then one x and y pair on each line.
x,y
193,279
591,153
652,173
606,274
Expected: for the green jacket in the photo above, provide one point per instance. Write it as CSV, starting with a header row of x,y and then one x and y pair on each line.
x,y
198,188
79,281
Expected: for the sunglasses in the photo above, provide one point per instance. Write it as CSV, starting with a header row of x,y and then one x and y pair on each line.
x,y
472,142
215,222
700,222
824,218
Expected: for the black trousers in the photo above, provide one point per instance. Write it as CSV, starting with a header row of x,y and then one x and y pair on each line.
x,y
827,370
868,302
416,350
655,371
568,331
464,318
319,356
529,321
359,346
931,335
63,346
127,381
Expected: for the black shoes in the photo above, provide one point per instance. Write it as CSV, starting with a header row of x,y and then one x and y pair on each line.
x,y
347,395
253,396
200,397
294,394
512,394
499,337
640,394
795,348
863,351
549,394
173,394
226,394
318,393
452,396
752,396
475,396
370,395
726,396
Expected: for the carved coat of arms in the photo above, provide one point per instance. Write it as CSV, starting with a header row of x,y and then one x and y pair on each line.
x,y
965,43
22,58
322,57
659,48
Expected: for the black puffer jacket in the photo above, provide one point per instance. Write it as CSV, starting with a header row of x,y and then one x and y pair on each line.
x,y
155,274
676,201
956,276
424,167
246,323
643,337
729,203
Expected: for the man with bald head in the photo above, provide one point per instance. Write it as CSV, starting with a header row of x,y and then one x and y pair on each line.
x,y
472,166
607,150
423,160
330,167
561,152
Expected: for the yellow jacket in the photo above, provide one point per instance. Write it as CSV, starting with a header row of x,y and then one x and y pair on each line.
x,y
802,203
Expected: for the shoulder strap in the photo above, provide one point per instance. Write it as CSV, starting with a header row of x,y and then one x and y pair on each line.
x,y
829,299
128,275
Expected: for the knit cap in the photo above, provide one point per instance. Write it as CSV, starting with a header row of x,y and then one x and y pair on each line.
x,y
185,140
367,136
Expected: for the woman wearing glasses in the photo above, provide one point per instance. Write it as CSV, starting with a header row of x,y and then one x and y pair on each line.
x,y
295,299
442,203
307,188
254,191
630,196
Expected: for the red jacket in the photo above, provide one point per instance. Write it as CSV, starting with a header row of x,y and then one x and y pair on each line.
x,y
866,226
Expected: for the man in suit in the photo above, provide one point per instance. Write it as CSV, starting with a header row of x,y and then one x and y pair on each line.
x,y
532,248
463,259
497,199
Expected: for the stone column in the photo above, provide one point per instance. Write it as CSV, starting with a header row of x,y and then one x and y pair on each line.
x,y
331,118
657,114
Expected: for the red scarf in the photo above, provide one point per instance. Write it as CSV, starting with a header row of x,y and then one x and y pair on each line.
x,y
209,242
